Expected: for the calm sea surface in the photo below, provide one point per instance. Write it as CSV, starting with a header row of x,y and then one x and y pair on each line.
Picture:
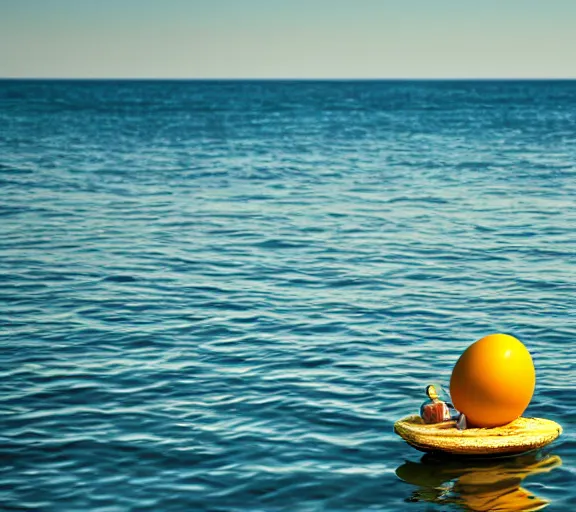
x,y
220,295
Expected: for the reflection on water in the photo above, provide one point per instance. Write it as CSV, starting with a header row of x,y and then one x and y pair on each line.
x,y
478,485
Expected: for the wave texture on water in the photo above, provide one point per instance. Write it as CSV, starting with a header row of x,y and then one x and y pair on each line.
x,y
221,295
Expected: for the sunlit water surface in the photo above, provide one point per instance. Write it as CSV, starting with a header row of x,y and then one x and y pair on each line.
x,y
221,295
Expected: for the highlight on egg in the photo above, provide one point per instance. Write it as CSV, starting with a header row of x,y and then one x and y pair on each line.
x,y
493,381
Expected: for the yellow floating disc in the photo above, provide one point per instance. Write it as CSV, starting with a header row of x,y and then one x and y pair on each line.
x,y
522,435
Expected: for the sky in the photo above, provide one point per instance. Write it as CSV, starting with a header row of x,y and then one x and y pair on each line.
x,y
288,38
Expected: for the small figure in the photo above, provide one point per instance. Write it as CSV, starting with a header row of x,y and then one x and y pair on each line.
x,y
435,410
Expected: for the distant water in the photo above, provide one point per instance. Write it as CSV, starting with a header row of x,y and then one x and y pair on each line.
x,y
220,295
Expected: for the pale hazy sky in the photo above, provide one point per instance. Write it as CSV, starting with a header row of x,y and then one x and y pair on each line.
x,y
288,38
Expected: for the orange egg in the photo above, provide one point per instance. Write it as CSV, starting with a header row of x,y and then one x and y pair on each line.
x,y
493,381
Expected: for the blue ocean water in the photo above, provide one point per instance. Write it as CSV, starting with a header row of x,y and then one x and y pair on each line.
x,y
220,295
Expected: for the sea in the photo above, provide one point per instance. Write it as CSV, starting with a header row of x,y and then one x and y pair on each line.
x,y
220,295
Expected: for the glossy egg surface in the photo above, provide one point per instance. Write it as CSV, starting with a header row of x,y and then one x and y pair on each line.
x,y
493,381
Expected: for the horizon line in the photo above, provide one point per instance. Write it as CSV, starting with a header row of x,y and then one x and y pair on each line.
x,y
292,79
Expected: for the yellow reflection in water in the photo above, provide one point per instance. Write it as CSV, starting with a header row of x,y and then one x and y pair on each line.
x,y
478,485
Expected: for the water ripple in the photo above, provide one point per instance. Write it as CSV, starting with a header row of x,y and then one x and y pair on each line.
x,y
221,295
